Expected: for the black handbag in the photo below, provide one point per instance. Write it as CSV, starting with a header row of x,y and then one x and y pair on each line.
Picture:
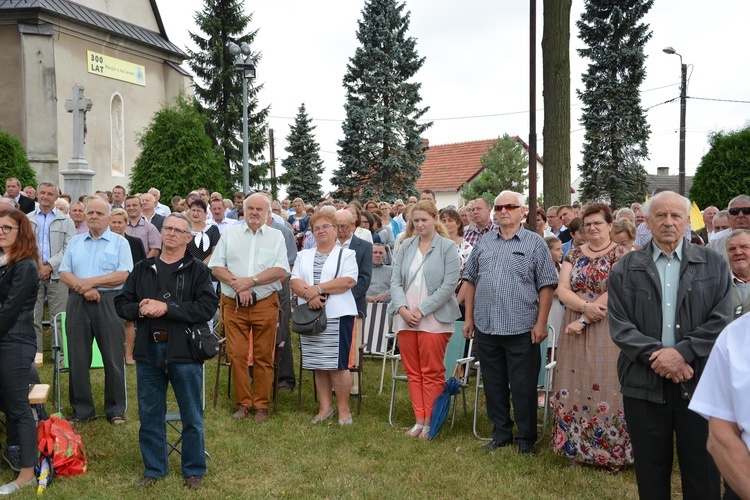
x,y
204,343
306,321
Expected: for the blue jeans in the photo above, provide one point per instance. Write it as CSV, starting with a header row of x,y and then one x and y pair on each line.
x,y
187,384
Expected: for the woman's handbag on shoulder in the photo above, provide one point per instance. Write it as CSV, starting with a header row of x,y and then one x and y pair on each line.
x,y
306,321
204,344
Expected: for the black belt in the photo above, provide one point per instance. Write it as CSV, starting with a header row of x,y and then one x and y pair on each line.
x,y
159,336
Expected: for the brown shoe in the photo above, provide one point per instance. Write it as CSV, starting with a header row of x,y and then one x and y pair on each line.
x,y
261,415
193,482
241,412
146,482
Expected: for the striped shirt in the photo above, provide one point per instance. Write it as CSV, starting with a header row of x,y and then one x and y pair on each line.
x,y
508,275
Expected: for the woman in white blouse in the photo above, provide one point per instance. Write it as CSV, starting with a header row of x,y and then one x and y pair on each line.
x,y
425,274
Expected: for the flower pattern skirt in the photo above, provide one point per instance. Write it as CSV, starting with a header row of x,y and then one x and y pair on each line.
x,y
589,423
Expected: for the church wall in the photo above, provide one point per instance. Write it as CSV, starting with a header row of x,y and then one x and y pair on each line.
x,y
111,98
136,12
11,86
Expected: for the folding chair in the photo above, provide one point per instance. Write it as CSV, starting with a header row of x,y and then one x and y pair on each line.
x,y
546,371
377,335
172,418
454,358
60,356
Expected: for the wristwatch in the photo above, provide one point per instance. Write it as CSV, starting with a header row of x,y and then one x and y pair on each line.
x,y
255,281
582,321
320,291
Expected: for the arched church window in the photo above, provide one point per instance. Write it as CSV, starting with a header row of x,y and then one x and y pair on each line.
x,y
117,133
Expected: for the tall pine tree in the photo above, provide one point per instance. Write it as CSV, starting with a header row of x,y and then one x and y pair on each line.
x,y
303,165
382,149
219,87
615,143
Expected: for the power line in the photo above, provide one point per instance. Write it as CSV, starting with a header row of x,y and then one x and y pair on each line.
x,y
718,100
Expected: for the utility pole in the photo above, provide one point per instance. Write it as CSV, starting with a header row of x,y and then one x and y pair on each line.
x,y
274,188
532,117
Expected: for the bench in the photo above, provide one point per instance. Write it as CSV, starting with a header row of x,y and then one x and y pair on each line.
x,y
38,394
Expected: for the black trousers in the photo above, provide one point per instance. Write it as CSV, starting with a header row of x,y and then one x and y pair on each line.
x,y
84,322
510,366
15,376
652,427
286,364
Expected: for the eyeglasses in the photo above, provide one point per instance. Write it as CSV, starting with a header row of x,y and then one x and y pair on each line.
x,y
170,229
343,226
7,229
324,227
736,211
508,207
197,211
595,223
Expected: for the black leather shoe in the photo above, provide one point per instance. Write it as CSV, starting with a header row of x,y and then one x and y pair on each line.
x,y
526,449
493,445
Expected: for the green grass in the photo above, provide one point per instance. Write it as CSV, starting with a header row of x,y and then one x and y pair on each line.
x,y
288,457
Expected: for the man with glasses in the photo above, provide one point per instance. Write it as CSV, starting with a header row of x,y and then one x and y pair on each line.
x,y
250,260
509,281
556,225
565,215
481,212
94,267
739,218
139,227
165,295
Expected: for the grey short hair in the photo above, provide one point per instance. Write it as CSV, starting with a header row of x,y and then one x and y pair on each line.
x,y
721,213
180,216
737,199
327,208
646,209
48,184
378,244
265,197
521,198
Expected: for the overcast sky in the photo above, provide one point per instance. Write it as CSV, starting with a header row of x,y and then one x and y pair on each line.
x,y
475,77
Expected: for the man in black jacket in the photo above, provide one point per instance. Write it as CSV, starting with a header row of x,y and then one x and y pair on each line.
x,y
13,190
165,295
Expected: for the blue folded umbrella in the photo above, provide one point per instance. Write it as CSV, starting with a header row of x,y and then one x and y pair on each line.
x,y
443,404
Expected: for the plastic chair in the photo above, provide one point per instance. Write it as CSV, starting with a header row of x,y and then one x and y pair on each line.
x,y
454,358
60,356
172,418
545,373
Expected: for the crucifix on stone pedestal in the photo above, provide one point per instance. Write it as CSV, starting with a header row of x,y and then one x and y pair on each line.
x,y
78,177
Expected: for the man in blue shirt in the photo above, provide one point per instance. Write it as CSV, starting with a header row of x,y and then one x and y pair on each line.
x,y
94,268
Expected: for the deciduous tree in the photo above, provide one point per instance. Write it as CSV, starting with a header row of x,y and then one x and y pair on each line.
x,y
724,172
14,162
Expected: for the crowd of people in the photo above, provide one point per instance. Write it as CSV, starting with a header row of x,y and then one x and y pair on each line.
x,y
637,300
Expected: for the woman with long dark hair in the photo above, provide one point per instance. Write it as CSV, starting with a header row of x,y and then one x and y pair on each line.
x,y
19,283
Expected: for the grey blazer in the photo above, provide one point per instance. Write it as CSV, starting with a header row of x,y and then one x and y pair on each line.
x,y
441,268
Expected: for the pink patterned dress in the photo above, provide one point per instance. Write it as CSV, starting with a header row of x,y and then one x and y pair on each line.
x,y
589,421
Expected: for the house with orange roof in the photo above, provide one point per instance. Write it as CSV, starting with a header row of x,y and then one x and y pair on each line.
x,y
447,167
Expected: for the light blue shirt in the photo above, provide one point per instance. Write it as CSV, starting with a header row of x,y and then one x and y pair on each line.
x,y
87,257
42,232
669,276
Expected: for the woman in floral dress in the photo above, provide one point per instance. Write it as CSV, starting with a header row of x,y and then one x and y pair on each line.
x,y
590,424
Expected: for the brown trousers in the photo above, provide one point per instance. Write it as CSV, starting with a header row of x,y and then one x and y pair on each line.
x,y
258,323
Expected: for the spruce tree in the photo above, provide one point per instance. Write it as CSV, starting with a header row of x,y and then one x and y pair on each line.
x,y
219,87
382,149
615,143
303,165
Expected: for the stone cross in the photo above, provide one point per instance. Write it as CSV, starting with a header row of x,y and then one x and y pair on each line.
x,y
79,105
78,178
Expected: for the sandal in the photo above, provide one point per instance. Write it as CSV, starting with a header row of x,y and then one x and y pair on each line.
x,y
425,432
415,431
117,420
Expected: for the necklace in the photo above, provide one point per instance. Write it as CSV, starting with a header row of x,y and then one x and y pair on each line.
x,y
600,249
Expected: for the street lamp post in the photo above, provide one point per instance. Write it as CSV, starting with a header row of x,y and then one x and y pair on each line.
x,y
244,64
683,101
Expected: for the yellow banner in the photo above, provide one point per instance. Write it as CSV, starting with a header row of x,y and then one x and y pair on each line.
x,y
111,67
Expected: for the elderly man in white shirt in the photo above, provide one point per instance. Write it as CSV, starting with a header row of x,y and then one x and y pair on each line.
x,y
250,260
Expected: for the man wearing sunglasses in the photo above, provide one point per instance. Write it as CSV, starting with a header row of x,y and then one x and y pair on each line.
x,y
739,218
509,279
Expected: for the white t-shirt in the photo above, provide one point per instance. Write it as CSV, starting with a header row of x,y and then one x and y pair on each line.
x,y
724,389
